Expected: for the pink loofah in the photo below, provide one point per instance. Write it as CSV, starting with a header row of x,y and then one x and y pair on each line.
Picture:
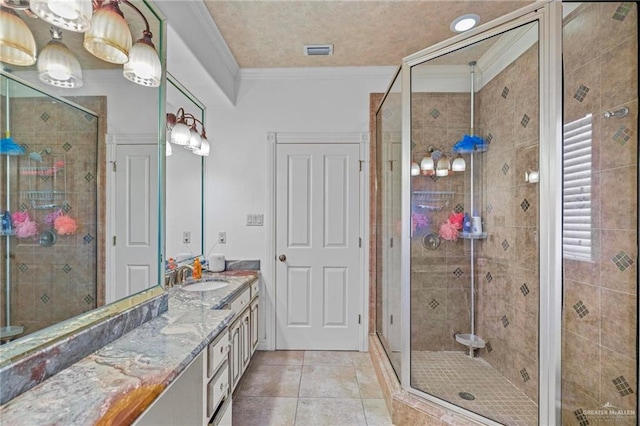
x,y
448,231
50,218
456,220
26,228
418,221
18,216
65,225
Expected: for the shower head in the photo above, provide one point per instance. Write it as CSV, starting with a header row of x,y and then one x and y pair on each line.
x,y
37,156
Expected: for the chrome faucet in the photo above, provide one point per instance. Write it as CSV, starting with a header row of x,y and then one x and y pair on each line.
x,y
182,273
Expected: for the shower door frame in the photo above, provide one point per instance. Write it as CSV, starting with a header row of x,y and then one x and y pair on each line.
x,y
548,15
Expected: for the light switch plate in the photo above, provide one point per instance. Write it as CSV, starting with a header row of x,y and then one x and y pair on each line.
x,y
255,219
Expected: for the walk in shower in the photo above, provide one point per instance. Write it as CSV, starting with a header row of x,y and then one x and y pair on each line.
x,y
48,193
460,311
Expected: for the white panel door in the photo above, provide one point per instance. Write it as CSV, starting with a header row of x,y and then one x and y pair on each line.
x,y
136,232
317,243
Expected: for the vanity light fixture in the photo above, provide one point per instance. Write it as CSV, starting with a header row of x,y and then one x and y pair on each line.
x,y
415,169
443,166
107,35
57,65
459,165
426,165
17,45
183,128
464,23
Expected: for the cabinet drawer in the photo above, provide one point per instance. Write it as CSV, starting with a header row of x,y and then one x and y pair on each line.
x,y
216,353
241,302
217,390
255,288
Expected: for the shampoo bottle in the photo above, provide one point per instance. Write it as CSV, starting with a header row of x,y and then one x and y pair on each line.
x,y
466,224
7,226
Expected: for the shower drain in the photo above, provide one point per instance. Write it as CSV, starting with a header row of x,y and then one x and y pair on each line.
x,y
467,396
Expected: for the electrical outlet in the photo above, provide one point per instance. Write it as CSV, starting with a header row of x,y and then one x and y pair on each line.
x,y
186,237
222,237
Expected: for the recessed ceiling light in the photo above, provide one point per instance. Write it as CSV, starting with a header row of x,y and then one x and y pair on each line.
x,y
464,22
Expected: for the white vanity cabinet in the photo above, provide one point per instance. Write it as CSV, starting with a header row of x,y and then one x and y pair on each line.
x,y
200,395
243,333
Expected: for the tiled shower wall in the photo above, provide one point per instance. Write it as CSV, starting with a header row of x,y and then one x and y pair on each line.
x,y
600,297
507,261
51,284
440,278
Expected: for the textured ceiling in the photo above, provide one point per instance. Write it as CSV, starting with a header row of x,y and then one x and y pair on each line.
x,y
271,34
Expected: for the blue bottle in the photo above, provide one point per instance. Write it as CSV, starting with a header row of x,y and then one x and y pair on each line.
x,y
466,223
7,226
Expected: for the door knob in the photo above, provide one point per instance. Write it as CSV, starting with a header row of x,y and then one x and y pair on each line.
x,y
282,258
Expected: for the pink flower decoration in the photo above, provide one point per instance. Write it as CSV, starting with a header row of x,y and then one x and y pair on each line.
x,y
65,225
18,216
50,218
26,229
448,231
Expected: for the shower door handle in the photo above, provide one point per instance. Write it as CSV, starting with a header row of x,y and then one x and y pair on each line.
x,y
282,258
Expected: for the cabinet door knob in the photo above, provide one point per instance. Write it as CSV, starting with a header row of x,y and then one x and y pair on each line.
x,y
282,258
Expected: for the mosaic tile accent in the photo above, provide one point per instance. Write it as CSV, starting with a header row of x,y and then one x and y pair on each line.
x,y
23,206
88,117
66,207
581,417
505,92
525,375
89,177
622,261
45,298
525,120
505,321
89,299
458,208
25,146
581,309
489,138
67,146
505,245
434,304
622,136
524,289
435,113
525,205
44,178
581,93
489,207
622,386
23,267
87,238
45,117
458,272
66,268
505,168
489,277
622,11
488,347
435,178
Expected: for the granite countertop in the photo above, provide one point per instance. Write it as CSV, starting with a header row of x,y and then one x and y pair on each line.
x,y
116,383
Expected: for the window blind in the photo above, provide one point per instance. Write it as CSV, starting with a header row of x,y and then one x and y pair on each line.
x,y
576,217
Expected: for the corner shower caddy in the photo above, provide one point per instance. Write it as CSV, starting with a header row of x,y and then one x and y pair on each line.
x,y
53,174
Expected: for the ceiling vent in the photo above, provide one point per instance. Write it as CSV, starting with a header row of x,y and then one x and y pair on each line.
x,y
318,49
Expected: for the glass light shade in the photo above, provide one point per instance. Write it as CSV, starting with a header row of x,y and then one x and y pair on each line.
x,y
459,165
17,45
58,66
204,148
72,15
194,139
415,169
143,66
168,150
442,172
443,163
109,37
426,163
180,134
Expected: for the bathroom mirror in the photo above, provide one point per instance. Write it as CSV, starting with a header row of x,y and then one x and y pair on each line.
x,y
72,141
184,213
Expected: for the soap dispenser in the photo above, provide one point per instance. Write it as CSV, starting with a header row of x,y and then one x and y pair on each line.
x,y
197,269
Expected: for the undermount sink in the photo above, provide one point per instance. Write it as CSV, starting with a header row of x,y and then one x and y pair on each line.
x,y
208,285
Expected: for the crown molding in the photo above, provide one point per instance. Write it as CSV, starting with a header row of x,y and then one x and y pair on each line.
x,y
318,73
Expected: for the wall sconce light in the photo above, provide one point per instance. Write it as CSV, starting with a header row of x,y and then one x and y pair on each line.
x,y
57,65
443,166
183,128
458,165
107,35
415,169
426,165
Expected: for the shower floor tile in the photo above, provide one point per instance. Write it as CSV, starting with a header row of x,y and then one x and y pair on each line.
x,y
447,374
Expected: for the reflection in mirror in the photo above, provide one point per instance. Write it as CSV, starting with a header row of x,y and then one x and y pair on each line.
x,y
60,253
184,183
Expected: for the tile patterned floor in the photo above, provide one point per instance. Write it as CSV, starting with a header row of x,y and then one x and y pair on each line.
x,y
446,374
309,388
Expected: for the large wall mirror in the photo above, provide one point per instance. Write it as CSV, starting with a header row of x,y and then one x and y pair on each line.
x,y
82,184
184,183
